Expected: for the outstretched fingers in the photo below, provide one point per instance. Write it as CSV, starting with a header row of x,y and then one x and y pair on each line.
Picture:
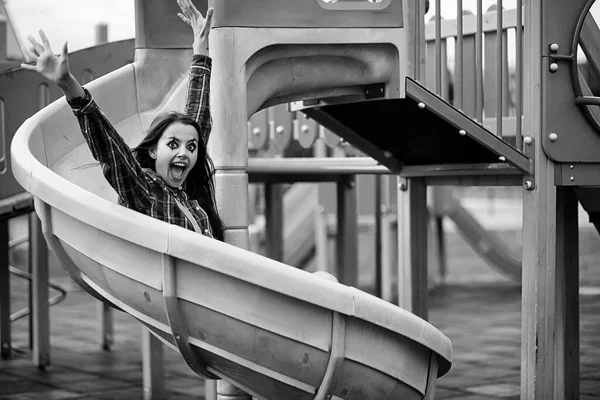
x,y
36,46
45,41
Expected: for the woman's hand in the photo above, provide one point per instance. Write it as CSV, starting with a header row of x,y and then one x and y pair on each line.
x,y
55,68
200,25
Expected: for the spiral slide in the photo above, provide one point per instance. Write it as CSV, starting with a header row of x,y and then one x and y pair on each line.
x,y
273,330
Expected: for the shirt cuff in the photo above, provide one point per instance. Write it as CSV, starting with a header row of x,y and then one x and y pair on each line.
x,y
80,104
201,60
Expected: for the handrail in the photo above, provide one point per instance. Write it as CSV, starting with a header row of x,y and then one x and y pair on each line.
x,y
317,166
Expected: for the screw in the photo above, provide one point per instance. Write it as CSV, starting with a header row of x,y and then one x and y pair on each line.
x,y
462,132
553,137
572,179
528,185
528,140
554,47
571,166
421,105
387,154
553,67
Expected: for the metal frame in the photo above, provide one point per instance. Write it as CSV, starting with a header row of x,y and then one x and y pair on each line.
x,y
176,320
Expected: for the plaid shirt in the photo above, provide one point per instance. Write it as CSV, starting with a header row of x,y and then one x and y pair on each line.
x,y
141,189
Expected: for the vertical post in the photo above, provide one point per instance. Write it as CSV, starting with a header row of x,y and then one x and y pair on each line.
x,y
440,202
388,248
567,294
5,340
105,322
378,255
229,149
347,232
549,317
39,271
322,241
152,360
274,221
412,246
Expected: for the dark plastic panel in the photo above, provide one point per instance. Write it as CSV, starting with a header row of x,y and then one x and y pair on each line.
x,y
307,13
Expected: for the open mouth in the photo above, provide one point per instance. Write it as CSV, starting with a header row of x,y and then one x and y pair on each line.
x,y
178,169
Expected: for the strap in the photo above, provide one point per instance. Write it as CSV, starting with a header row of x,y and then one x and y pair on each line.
x,y
188,215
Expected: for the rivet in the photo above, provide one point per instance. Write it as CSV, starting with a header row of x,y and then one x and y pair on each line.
x,y
572,179
553,137
553,67
528,185
502,158
421,105
462,132
528,140
554,47
572,166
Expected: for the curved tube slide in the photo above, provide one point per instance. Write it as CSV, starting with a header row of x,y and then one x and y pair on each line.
x,y
273,330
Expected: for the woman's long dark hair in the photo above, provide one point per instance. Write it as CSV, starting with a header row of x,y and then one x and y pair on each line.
x,y
199,182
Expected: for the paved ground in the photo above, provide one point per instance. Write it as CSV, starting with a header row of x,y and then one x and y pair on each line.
x,y
477,308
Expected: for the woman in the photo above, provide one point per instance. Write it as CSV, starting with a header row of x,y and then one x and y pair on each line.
x,y
169,175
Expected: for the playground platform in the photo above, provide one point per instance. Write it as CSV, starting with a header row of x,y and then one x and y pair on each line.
x,y
477,309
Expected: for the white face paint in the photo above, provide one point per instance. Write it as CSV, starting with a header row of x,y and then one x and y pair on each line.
x,y
176,153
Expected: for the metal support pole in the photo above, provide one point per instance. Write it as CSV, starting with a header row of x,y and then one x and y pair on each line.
x,y
105,322
322,241
412,246
347,232
5,340
152,360
378,255
567,294
39,302
274,220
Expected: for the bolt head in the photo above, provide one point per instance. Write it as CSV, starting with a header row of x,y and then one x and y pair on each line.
x,y
304,129
528,140
421,105
572,179
528,185
553,137
462,132
553,67
502,158
279,129
554,47
572,166
256,131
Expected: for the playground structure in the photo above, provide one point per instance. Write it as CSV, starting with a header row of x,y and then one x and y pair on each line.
x,y
538,221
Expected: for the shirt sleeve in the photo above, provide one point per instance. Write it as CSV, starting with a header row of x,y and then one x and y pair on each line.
x,y
120,168
197,105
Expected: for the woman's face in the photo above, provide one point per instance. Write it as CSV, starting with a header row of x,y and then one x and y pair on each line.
x,y
176,153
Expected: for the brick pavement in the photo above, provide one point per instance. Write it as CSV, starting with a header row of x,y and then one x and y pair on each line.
x,y
477,308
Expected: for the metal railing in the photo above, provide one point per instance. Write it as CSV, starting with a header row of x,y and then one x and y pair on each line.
x,y
483,76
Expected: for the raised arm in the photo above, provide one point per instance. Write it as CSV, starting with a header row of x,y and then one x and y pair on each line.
x,y
120,167
197,104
